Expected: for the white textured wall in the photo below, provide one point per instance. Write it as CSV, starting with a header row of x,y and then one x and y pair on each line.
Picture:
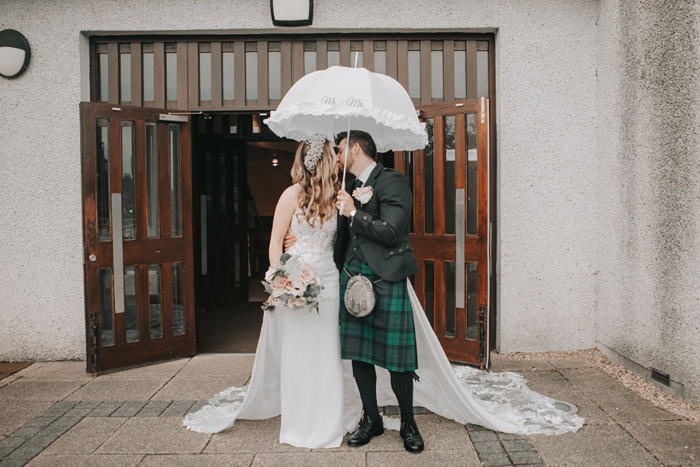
x,y
649,102
547,167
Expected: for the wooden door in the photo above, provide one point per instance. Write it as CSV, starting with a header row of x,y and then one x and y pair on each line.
x,y
222,222
451,225
137,207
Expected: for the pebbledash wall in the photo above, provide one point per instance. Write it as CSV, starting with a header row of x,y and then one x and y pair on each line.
x,y
597,174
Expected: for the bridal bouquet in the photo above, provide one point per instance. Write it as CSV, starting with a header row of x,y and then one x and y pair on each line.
x,y
291,283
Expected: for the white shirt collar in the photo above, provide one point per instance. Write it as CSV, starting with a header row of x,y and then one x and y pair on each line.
x,y
367,172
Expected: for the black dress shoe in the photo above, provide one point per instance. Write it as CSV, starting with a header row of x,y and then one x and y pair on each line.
x,y
412,440
368,429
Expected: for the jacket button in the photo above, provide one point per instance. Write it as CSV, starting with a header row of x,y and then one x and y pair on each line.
x,y
400,250
384,222
364,217
354,237
391,252
355,248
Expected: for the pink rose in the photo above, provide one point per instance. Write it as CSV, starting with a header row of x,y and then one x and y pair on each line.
x,y
281,285
307,276
300,301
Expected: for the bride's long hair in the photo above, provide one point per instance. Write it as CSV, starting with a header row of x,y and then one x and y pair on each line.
x,y
319,187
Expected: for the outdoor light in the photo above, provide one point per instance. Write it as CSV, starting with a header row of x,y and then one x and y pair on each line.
x,y
275,162
14,53
292,12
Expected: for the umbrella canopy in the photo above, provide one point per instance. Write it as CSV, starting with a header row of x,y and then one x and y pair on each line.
x,y
324,101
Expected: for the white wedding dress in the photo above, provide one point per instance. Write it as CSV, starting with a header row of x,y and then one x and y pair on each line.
x,y
299,375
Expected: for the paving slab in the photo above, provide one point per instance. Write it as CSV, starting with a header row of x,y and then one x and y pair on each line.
x,y
119,390
498,364
178,409
587,409
236,366
592,381
310,459
86,436
38,390
58,371
593,445
156,371
8,379
627,407
545,381
196,389
248,436
441,434
560,363
197,460
673,443
154,435
424,459
47,460
14,415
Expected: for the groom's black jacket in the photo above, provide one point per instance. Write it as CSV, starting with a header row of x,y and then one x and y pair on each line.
x,y
379,232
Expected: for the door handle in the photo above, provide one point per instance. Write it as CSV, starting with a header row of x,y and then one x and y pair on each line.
x,y
459,250
92,258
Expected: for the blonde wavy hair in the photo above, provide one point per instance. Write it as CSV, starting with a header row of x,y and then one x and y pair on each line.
x,y
319,188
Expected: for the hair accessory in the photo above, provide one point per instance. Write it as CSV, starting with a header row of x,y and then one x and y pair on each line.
x,y
314,151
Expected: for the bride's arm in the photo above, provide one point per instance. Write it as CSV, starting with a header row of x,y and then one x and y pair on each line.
x,y
284,211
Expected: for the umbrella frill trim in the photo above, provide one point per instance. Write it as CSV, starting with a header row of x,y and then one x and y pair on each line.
x,y
280,118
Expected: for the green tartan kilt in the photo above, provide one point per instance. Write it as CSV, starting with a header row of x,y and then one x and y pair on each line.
x,y
386,337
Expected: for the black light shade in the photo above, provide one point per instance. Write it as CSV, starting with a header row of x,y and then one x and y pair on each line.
x,y
292,12
14,53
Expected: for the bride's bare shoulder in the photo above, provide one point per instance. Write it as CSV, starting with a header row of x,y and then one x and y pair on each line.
x,y
289,197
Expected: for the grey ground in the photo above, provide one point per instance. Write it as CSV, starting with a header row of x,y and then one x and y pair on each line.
x,y
55,414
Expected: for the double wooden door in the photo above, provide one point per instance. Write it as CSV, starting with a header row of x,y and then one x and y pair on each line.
x,y
450,234
137,206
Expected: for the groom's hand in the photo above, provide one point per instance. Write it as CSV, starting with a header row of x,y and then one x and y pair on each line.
x,y
289,241
345,200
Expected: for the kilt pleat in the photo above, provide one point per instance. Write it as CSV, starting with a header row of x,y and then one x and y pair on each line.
x,y
386,337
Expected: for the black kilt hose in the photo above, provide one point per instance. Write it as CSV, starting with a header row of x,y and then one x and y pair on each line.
x,y
386,336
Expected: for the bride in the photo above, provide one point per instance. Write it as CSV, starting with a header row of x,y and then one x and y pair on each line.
x,y
298,372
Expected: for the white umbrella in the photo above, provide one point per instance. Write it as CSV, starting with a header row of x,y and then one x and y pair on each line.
x,y
333,100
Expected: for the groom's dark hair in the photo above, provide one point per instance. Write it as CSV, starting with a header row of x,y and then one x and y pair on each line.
x,y
362,138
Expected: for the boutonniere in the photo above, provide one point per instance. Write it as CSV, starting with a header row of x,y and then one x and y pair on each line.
x,y
362,194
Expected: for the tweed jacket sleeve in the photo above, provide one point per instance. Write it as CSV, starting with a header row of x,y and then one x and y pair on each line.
x,y
395,202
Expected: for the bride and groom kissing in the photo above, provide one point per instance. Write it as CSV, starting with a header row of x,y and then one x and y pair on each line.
x,y
315,365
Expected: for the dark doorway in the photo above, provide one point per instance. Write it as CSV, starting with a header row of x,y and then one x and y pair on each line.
x,y
241,169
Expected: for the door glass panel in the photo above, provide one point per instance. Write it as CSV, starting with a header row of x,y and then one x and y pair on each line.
x,y
472,168
251,76
125,77
128,206
482,73
380,61
152,181
274,62
436,74
103,190
449,182
204,76
148,77
171,75
460,74
428,166
229,75
356,59
333,58
430,292
472,277
106,317
154,301
309,62
102,77
450,309
175,181
414,73
178,301
131,304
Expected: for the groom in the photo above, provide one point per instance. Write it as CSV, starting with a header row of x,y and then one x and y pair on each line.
x,y
372,240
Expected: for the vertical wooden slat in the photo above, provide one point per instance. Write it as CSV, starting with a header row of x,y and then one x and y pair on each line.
x,y
321,55
263,80
419,192
345,53
439,298
400,161
216,76
420,283
136,88
166,296
113,73
286,49
187,211
392,59
193,74
116,187
439,174
239,66
402,63
140,181
461,182
425,73
297,60
448,60
368,54
142,300
182,86
159,74
471,70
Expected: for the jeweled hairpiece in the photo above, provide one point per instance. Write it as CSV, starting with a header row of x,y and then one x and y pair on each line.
x,y
314,151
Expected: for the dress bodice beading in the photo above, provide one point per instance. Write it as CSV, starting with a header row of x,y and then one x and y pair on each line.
x,y
314,246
